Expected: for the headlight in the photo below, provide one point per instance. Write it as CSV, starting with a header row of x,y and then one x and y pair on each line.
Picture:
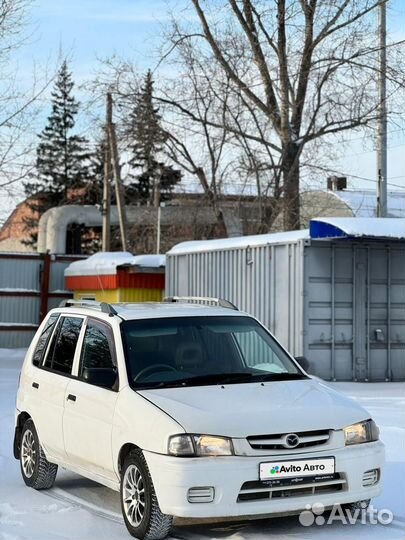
x,y
362,432
199,445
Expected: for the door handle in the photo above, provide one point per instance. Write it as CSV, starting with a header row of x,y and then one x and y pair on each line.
x,y
35,385
71,397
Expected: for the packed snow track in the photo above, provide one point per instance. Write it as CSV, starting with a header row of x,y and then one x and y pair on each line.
x,y
81,509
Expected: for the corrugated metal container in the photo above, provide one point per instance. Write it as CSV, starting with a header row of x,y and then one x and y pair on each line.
x,y
338,302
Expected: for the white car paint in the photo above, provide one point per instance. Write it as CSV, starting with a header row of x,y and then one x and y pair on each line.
x,y
257,408
87,436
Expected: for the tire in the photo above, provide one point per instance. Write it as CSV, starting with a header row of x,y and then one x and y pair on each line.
x,y
358,505
36,470
142,514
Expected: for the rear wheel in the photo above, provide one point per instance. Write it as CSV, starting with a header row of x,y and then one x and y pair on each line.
x,y
36,470
140,508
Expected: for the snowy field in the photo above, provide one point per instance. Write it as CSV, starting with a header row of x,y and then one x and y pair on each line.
x,y
80,509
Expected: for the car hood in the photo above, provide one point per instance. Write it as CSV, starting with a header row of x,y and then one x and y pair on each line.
x,y
240,410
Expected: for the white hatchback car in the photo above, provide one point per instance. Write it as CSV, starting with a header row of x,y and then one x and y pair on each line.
x,y
188,410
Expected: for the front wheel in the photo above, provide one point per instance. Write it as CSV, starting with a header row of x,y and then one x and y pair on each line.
x,y
36,470
140,508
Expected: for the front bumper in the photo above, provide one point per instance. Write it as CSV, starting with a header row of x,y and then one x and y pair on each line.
x,y
173,477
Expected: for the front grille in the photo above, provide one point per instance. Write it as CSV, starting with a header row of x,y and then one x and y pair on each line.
x,y
307,439
262,490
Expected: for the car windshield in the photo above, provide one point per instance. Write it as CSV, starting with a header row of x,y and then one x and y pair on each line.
x,y
175,352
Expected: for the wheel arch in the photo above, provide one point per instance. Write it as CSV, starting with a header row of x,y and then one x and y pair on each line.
x,y
124,451
21,419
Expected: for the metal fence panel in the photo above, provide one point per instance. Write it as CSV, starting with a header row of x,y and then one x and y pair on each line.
x,y
26,293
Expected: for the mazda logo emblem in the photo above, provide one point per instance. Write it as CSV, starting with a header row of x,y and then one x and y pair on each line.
x,y
292,440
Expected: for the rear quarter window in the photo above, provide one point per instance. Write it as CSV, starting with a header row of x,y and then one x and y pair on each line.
x,y
62,350
44,339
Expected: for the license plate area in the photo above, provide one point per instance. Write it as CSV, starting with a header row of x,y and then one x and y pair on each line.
x,y
287,472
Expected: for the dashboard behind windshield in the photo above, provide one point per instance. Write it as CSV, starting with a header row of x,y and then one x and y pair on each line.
x,y
182,351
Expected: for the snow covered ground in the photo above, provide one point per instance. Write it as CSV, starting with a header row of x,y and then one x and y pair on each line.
x,y
78,508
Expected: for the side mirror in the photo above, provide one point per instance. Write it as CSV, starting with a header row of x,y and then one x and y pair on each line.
x,y
303,362
105,377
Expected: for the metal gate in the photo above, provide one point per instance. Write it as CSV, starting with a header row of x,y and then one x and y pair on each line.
x,y
355,310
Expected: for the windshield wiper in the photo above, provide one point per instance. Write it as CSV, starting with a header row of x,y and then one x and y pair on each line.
x,y
280,377
214,378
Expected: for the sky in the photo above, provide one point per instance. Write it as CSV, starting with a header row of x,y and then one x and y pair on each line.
x,y
87,30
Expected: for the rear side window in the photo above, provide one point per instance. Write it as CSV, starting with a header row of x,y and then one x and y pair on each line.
x,y
44,339
63,347
98,349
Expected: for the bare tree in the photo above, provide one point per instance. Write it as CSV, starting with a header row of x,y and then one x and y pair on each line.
x,y
215,135
192,143
304,70
18,102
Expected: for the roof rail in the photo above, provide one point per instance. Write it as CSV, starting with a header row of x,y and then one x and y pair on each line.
x,y
219,301
104,307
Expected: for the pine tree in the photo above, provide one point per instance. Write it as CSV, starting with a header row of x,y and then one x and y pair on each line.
x,y
63,163
147,139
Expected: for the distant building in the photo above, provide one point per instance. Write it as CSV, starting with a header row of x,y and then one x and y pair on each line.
x,y
13,232
338,201
187,216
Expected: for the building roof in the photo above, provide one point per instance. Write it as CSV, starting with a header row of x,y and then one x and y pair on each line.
x,y
363,203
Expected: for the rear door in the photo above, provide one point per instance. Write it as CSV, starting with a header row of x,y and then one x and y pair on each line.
x,y
50,382
89,409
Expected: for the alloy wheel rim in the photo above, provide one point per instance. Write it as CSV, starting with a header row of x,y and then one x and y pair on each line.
x,y
133,495
28,453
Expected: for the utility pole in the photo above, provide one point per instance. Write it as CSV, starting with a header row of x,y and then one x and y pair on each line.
x,y
382,112
106,206
156,204
119,190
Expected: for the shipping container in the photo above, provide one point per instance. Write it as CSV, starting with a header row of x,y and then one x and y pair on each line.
x,y
334,294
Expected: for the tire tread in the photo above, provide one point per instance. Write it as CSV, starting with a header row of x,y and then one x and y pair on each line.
x,y
159,524
45,476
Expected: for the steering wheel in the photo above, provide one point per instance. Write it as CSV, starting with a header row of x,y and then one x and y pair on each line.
x,y
153,368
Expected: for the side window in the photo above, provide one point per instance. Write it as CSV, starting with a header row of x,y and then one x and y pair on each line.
x,y
62,350
43,340
98,347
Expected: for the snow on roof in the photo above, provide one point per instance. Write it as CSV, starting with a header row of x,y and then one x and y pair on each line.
x,y
319,228
363,203
357,227
148,261
239,242
106,263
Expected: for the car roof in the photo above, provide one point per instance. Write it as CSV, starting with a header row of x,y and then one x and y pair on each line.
x,y
153,310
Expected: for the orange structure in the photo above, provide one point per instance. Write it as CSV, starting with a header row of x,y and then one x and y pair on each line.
x,y
117,277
